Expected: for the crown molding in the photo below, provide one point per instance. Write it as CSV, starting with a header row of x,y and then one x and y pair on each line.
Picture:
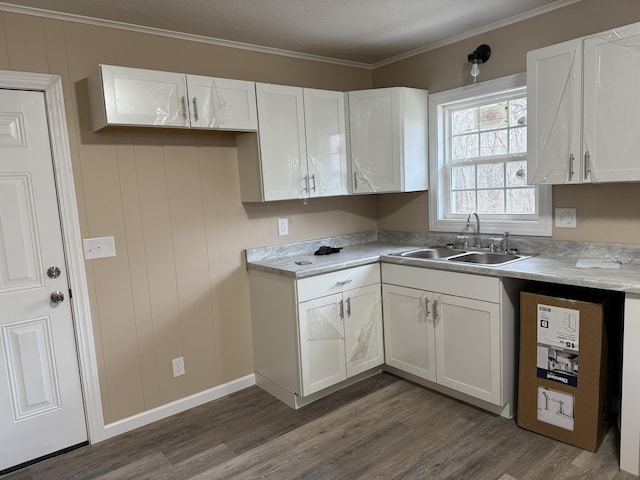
x,y
475,32
69,17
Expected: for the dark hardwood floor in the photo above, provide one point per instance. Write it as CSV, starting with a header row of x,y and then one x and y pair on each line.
x,y
381,428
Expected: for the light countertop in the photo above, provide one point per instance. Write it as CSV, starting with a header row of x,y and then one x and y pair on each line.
x,y
543,268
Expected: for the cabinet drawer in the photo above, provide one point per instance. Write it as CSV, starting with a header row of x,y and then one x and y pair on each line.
x,y
337,282
450,283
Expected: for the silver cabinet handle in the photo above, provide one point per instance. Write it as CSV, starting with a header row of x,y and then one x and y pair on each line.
x,y
348,306
313,177
426,304
587,170
341,309
343,282
571,171
435,310
183,100
355,180
195,108
56,296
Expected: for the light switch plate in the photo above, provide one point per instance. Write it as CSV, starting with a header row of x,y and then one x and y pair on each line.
x,y
566,217
283,226
99,247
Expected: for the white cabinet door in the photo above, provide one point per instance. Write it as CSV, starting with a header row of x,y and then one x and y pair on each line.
x,y
554,90
363,329
282,141
325,127
408,330
375,140
134,96
222,103
468,346
611,104
322,346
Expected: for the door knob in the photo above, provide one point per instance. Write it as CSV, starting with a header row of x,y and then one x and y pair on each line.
x,y
57,297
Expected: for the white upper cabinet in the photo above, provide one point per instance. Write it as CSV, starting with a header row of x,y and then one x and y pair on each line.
x,y
300,151
325,129
583,104
554,91
125,96
611,105
133,96
283,146
222,103
388,128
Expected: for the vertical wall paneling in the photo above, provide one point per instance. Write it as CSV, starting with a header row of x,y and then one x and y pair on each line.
x,y
135,249
188,224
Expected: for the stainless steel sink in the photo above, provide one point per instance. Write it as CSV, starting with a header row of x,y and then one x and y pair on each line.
x,y
427,253
487,258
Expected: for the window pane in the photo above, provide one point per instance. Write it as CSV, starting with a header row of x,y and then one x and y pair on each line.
x,y
491,175
517,174
463,177
518,112
521,200
518,140
493,116
491,201
463,202
463,121
464,147
493,143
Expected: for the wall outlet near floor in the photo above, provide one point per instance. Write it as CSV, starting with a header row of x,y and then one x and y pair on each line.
x,y
283,226
566,217
178,366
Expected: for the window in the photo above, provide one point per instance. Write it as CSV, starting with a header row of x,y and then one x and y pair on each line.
x,y
478,161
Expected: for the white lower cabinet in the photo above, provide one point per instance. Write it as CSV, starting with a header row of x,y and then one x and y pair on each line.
x,y
315,335
452,330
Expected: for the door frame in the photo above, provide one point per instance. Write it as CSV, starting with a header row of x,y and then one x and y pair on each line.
x,y
51,86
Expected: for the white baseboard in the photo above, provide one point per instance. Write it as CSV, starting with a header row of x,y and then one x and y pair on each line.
x,y
164,411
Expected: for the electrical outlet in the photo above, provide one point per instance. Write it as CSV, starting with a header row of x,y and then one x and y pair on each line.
x,y
178,366
566,217
283,226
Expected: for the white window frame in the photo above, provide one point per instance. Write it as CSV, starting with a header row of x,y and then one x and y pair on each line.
x,y
535,225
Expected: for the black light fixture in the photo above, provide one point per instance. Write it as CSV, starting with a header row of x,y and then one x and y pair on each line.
x,y
479,55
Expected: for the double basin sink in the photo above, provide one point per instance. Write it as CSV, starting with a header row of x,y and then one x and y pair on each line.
x,y
493,259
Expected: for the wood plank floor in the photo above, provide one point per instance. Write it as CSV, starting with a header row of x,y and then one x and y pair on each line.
x,y
381,428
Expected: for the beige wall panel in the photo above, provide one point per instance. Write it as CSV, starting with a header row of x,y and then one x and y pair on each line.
x,y
4,52
159,253
186,207
114,302
215,212
230,290
604,212
403,212
26,43
133,246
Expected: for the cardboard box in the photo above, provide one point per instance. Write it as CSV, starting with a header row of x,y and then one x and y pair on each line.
x,y
562,388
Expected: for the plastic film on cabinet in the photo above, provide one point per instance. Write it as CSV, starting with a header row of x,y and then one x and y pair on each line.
x,y
611,99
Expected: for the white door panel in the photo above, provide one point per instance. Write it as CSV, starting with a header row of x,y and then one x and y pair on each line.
x,y
22,268
41,407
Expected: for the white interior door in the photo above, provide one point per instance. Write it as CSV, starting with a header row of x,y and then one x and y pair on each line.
x,y
41,406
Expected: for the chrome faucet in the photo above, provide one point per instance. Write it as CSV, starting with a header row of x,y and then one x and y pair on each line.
x,y
468,228
505,238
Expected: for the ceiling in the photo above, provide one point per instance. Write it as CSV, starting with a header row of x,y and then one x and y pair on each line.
x,y
366,32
